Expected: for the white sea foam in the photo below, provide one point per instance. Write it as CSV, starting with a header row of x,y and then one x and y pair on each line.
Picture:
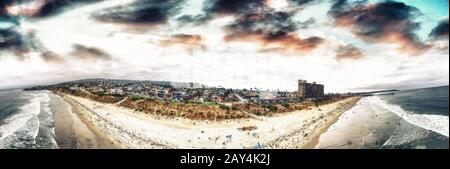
x,y
49,120
436,123
20,119
43,99
16,121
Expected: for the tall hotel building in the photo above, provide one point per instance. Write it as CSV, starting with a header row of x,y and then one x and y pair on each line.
x,y
310,90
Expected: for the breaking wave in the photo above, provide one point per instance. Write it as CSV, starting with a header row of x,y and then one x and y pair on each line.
x,y
436,123
21,129
16,121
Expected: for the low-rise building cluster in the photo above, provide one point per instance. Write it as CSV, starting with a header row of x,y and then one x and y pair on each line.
x,y
187,92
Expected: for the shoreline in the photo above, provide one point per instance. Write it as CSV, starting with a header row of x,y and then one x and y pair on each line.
x,y
84,134
294,140
132,129
88,117
315,140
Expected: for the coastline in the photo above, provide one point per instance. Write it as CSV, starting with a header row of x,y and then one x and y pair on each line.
x,y
127,128
313,143
294,140
89,118
72,130
315,139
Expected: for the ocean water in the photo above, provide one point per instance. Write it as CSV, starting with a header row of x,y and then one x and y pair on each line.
x,y
425,118
409,119
26,120
43,120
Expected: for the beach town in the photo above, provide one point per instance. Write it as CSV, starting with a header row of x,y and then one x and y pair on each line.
x,y
149,114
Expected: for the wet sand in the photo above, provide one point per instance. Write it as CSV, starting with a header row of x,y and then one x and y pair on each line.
x,y
315,140
316,128
363,126
71,131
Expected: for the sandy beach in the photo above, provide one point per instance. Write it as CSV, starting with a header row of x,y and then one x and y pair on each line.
x,y
366,125
73,131
127,128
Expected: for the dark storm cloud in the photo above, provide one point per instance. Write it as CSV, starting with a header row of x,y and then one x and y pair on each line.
x,y
51,57
440,31
307,23
21,44
304,2
11,40
274,30
3,10
232,7
90,53
3,5
42,8
52,7
257,22
215,8
193,19
140,12
244,6
272,24
389,22
349,52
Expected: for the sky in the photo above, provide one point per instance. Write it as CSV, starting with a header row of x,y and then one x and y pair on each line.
x,y
346,45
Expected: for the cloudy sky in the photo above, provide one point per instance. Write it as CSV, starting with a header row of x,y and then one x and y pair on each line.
x,y
269,44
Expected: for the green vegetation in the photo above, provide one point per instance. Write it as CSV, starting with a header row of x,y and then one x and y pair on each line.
x,y
211,103
224,107
135,98
175,102
108,94
234,108
101,93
